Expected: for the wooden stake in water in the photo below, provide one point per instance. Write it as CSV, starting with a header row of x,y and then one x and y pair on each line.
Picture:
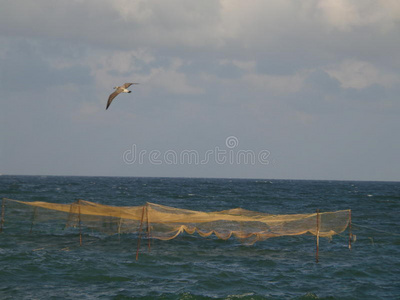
x,y
79,220
148,226
119,228
140,234
318,225
69,221
33,219
350,234
2,215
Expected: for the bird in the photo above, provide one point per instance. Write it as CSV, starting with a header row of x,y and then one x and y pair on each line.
x,y
118,90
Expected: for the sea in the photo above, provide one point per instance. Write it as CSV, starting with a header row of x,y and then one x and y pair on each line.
x,y
52,265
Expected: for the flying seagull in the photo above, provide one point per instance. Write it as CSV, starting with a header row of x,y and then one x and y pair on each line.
x,y
118,90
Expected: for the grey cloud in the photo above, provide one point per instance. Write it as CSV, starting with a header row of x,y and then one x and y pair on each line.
x,y
24,65
112,24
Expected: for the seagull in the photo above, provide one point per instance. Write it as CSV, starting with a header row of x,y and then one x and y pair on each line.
x,y
118,90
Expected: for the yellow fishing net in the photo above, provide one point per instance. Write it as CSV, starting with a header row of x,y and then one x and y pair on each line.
x,y
165,223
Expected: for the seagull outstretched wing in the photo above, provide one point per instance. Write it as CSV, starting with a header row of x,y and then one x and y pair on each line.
x,y
128,84
111,98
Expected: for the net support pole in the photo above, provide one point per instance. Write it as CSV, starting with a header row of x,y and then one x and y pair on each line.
x,y
2,215
33,219
79,222
119,228
318,226
350,234
69,221
148,226
140,233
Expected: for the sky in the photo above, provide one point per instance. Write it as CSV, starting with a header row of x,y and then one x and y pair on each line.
x,y
278,89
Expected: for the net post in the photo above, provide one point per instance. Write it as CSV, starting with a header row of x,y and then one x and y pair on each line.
x,y
350,233
317,250
79,222
2,214
69,216
33,219
148,226
119,228
140,234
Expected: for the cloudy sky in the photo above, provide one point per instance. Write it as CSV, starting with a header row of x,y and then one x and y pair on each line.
x,y
250,89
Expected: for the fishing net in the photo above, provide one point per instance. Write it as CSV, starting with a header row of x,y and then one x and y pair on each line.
x,y
166,223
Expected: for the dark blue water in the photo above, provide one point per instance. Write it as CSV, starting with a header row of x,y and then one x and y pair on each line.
x,y
52,265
